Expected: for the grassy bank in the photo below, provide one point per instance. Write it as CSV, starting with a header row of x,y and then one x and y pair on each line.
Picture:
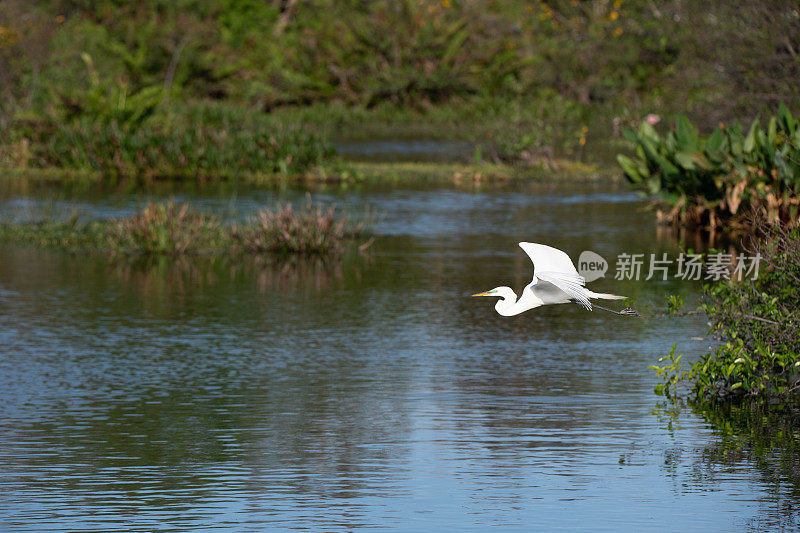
x,y
208,140
172,229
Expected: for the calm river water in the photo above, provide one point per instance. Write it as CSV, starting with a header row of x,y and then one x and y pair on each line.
x,y
369,392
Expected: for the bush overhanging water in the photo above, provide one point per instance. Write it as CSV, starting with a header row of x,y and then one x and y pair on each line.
x,y
759,322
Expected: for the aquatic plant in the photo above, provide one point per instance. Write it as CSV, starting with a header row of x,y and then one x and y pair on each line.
x,y
168,228
758,320
165,228
310,230
68,235
718,179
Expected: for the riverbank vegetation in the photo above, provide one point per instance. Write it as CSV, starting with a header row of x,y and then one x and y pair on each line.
x,y
722,178
757,321
194,88
177,229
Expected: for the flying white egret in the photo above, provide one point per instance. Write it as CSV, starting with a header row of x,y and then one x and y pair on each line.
x,y
555,281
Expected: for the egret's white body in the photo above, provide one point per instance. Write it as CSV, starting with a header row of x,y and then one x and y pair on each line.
x,y
555,281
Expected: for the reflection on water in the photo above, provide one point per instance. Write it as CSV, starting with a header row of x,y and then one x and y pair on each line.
x,y
368,392
766,439
751,440
167,275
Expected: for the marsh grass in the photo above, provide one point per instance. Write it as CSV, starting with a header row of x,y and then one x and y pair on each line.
x,y
169,228
309,230
166,228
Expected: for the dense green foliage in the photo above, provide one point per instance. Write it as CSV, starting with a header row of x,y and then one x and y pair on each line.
x,y
172,229
758,321
521,79
197,142
723,176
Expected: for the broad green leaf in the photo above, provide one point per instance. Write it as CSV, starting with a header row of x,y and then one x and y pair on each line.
x,y
685,134
630,169
750,141
715,141
686,160
788,124
772,133
646,131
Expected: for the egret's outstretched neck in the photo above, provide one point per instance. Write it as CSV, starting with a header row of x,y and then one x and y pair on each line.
x,y
510,306
505,306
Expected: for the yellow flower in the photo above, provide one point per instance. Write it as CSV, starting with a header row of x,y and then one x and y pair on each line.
x,y
613,15
584,129
7,36
445,3
582,140
617,32
617,4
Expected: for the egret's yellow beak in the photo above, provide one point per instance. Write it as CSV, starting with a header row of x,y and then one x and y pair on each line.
x,y
482,294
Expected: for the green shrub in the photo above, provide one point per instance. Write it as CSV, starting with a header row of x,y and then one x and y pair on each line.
x,y
68,235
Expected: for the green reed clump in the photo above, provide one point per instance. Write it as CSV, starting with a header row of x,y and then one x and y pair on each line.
x,y
310,230
165,228
175,229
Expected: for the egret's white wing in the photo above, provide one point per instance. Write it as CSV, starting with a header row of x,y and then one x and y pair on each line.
x,y
554,266
573,286
548,259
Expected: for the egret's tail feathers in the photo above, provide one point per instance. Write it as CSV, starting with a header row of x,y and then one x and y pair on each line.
x,y
605,296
